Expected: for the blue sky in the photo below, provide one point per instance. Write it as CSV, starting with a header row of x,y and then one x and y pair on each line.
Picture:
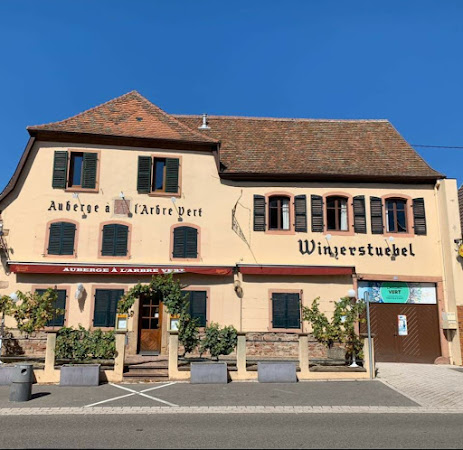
x,y
399,60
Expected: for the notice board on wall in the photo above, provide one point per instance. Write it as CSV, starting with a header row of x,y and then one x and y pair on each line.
x,y
398,292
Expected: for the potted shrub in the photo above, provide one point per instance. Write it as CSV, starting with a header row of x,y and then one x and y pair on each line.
x,y
82,346
217,341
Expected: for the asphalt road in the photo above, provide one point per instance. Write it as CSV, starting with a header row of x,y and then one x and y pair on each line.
x,y
234,431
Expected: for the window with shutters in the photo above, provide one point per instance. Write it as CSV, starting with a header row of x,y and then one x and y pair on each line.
x,y
185,242
61,238
158,175
58,319
115,239
105,307
75,170
336,214
396,215
285,310
280,213
197,306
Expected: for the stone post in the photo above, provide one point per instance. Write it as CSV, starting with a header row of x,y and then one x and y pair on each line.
x,y
366,357
173,355
241,355
50,353
304,353
120,356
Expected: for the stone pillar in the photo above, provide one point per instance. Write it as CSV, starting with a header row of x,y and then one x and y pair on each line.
x,y
50,352
241,355
304,353
173,355
120,355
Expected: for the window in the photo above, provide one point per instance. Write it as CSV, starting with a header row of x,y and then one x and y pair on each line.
x,y
185,242
278,213
197,304
336,214
106,306
396,215
158,175
58,320
286,311
76,170
61,238
115,240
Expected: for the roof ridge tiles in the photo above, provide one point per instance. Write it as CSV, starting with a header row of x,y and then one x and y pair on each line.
x,y
278,119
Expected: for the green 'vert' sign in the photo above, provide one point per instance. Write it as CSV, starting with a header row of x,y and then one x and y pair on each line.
x,y
395,292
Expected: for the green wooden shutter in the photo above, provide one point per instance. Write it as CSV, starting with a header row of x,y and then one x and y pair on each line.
x,y
278,310
300,211
191,242
54,239
60,170
106,306
108,240
259,213
121,240
360,220
172,170
179,242
58,320
419,216
293,311
317,213
144,174
68,234
89,167
376,212
198,301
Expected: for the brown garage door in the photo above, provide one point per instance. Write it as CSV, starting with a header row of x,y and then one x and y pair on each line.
x,y
422,343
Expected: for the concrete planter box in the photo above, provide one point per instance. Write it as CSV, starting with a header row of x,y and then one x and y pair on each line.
x,y
276,372
80,375
209,373
6,374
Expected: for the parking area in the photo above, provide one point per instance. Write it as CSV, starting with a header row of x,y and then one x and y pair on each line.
x,y
311,393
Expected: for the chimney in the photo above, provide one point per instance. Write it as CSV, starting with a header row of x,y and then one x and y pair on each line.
x,y
204,125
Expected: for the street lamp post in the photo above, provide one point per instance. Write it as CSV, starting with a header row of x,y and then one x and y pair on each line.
x,y
352,295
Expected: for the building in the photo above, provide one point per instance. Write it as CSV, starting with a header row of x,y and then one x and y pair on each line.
x,y
257,217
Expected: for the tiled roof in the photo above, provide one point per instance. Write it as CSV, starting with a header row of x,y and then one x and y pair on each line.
x,y
130,115
312,147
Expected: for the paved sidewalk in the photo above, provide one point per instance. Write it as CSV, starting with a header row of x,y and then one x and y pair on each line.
x,y
428,385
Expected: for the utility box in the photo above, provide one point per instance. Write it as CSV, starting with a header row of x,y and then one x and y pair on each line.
x,y
449,321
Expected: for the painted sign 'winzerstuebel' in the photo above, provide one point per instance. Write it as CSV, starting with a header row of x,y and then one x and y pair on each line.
x,y
307,247
246,213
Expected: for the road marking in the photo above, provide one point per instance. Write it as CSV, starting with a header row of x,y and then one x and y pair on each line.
x,y
148,410
133,392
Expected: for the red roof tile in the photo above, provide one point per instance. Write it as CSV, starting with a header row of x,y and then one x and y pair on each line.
x,y
312,148
130,115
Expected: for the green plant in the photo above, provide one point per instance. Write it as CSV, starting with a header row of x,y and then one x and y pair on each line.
x,y
6,304
219,341
33,311
188,332
342,326
81,345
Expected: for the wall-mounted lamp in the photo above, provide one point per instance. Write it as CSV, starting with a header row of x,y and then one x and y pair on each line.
x,y
14,297
351,293
76,196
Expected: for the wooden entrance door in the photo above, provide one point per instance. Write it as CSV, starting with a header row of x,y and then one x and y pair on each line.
x,y
422,342
150,325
